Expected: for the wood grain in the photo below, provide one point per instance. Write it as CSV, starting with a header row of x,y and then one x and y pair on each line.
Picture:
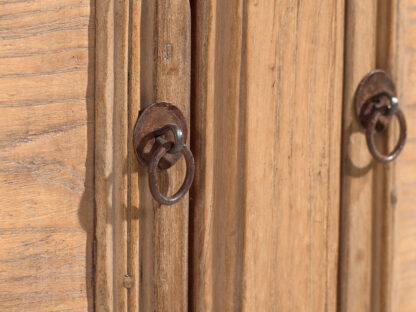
x,y
369,221
133,262
267,100
357,164
46,155
388,58
217,144
116,171
111,156
404,276
165,75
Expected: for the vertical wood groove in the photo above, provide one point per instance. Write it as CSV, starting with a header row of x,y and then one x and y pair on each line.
x,y
133,187
273,195
357,177
366,278
403,196
111,109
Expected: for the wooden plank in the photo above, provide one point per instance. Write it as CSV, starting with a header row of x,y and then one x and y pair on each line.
x,y
111,180
368,222
217,143
46,155
165,75
294,91
404,274
133,271
265,200
104,93
357,164
384,194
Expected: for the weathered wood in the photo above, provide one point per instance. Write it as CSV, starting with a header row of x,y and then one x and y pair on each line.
x,y
133,182
111,162
357,163
165,75
404,276
388,57
368,235
267,92
46,155
293,106
217,144
265,132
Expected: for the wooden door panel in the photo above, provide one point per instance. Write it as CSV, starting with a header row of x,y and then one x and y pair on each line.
x,y
372,199
404,269
142,56
267,109
357,173
46,175
267,87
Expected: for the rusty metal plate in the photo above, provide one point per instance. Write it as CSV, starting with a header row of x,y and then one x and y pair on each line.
x,y
151,119
374,83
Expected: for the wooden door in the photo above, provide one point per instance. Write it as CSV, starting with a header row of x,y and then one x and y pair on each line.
x,y
269,102
287,210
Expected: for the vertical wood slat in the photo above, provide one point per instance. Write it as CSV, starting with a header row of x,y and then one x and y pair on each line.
x,y
357,164
217,144
265,199
404,273
294,95
165,75
104,95
133,183
111,108
368,193
120,160
146,211
388,58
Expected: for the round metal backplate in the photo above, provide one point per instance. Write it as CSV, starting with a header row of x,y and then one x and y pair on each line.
x,y
374,83
152,118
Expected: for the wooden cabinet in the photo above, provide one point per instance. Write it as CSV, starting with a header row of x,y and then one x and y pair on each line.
x,y
287,212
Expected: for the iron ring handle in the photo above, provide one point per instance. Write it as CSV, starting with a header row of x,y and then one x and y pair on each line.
x,y
163,148
178,137
371,130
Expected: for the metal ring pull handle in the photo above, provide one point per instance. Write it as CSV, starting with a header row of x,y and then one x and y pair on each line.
x,y
371,130
159,140
177,134
163,148
376,103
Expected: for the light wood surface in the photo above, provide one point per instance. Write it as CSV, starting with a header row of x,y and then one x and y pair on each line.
x,y
404,279
46,155
369,218
217,207
133,269
357,173
142,247
165,75
388,58
266,135
272,127
111,154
